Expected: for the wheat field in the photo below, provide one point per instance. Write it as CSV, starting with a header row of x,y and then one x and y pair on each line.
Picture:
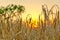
x,y
16,29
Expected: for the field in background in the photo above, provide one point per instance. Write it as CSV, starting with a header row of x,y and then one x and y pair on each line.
x,y
14,28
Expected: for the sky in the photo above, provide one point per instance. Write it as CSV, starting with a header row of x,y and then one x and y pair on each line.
x,y
32,7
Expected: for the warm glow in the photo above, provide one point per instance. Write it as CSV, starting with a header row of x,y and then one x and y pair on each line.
x,y
34,24
35,18
42,17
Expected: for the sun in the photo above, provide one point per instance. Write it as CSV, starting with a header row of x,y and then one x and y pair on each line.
x,y
34,16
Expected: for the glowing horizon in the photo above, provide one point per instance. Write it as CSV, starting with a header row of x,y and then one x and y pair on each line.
x,y
33,7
